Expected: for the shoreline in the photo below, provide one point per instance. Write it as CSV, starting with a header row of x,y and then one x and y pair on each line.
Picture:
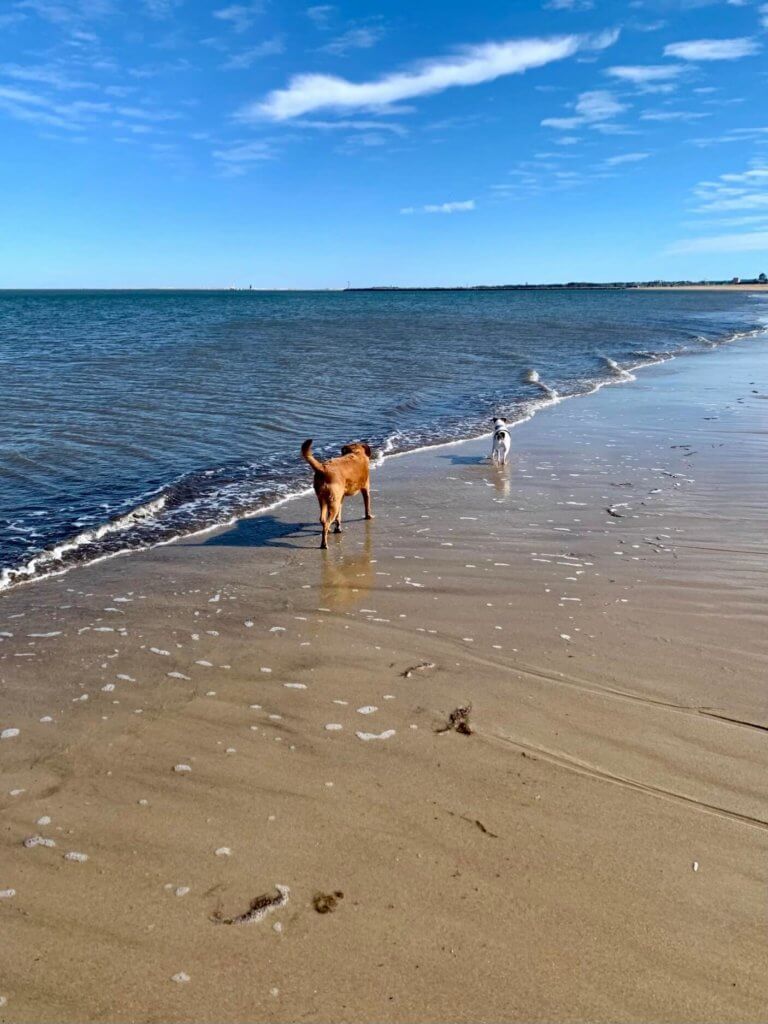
x,y
540,869
528,408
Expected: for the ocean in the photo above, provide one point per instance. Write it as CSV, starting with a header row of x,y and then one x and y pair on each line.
x,y
131,418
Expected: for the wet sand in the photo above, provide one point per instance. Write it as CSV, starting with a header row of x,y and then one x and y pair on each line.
x,y
595,850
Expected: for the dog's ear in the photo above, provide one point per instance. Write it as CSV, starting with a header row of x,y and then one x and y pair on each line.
x,y
367,449
347,449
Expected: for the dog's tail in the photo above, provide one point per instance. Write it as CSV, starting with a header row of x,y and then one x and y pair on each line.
x,y
306,451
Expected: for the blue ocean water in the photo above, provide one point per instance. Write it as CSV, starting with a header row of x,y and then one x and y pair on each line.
x,y
133,417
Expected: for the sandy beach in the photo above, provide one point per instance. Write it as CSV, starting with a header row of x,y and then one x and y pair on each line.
x,y
703,288
242,716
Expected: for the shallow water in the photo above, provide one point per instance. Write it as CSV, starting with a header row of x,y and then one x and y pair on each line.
x,y
133,417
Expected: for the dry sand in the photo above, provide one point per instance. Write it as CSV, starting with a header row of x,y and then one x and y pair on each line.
x,y
596,850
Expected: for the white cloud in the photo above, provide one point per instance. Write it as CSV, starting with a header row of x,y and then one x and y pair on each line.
x,y
647,74
320,14
35,109
570,5
244,59
140,114
752,241
47,74
713,49
353,39
741,222
672,115
355,126
762,10
161,8
240,16
591,108
235,160
60,12
461,206
598,105
472,65
735,192
626,158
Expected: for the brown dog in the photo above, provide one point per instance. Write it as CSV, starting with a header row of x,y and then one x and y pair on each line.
x,y
338,478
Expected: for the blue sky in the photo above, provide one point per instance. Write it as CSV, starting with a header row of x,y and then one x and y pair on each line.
x,y
196,143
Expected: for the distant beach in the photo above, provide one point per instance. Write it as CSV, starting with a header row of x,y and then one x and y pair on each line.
x,y
232,789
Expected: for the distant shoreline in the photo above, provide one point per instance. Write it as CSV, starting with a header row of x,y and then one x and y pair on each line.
x,y
704,286
709,286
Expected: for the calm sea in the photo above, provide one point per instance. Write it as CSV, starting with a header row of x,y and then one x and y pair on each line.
x,y
133,417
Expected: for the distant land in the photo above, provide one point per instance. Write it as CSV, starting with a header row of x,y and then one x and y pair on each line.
x,y
760,282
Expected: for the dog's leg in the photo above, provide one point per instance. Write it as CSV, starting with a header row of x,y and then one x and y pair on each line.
x,y
367,502
337,521
334,514
325,523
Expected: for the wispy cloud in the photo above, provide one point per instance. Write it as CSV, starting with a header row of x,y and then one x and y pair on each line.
x,y
746,190
165,68
355,126
61,12
161,9
35,109
235,160
471,66
673,115
44,74
626,158
757,134
591,109
239,16
142,114
750,241
649,77
354,39
569,5
13,18
735,199
246,58
461,206
321,14
713,49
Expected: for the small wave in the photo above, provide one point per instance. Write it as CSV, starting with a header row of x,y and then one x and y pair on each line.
x,y
616,370
56,557
532,377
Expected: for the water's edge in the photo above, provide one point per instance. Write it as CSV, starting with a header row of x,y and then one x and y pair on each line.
x,y
133,531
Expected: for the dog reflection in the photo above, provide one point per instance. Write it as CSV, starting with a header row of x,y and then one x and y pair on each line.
x,y
500,479
345,577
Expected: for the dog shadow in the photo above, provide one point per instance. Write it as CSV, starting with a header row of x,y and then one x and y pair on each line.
x,y
262,531
466,460
499,476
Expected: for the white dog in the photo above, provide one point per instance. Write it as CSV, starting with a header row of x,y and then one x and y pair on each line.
x,y
502,442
